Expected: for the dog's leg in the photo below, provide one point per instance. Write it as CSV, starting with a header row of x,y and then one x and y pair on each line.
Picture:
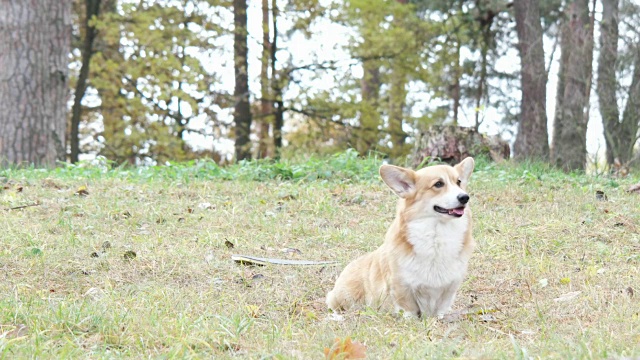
x,y
403,299
332,302
445,301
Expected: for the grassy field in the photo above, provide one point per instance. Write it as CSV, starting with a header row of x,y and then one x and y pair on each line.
x,y
135,263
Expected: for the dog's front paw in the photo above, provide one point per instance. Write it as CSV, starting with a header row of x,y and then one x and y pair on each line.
x,y
405,314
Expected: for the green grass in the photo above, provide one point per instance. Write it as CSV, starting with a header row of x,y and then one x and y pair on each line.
x,y
541,234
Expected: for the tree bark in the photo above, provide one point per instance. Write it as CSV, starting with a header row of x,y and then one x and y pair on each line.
x,y
455,89
631,114
113,108
485,22
484,54
570,130
532,140
620,134
397,101
92,9
607,83
367,135
242,111
278,121
265,102
35,38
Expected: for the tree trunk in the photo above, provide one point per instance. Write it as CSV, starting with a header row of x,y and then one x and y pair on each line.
x,y
35,38
483,77
278,121
607,83
570,130
242,111
397,100
620,134
92,9
532,140
367,135
455,90
486,21
113,108
265,102
631,114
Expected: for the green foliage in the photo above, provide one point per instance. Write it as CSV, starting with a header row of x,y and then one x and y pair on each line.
x,y
342,167
346,166
402,47
150,79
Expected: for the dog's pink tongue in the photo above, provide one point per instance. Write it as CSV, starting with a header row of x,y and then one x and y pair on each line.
x,y
457,211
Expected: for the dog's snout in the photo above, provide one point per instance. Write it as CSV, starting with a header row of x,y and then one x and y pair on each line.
x,y
463,198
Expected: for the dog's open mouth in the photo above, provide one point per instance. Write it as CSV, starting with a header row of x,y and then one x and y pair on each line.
x,y
457,212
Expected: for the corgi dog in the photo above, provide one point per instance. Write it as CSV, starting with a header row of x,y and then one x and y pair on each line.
x,y
423,260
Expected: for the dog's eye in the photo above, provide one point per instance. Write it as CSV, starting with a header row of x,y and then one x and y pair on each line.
x,y
459,182
439,184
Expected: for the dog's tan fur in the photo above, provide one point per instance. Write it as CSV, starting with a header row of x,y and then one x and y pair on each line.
x,y
423,260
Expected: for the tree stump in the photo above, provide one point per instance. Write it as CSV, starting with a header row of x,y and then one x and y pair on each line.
x,y
451,144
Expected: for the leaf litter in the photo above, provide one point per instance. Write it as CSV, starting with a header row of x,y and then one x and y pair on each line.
x,y
345,349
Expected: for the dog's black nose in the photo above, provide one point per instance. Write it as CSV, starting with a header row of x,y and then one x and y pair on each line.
x,y
463,198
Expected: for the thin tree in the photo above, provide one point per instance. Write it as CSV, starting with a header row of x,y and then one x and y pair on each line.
x,y
242,111
397,99
569,144
35,38
277,85
619,134
92,10
532,140
265,101
367,135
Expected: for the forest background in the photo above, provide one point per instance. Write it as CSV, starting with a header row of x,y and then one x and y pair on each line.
x,y
149,81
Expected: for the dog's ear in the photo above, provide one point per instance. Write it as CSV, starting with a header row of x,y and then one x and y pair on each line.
x,y
402,181
465,168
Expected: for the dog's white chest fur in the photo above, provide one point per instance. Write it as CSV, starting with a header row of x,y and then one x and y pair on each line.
x,y
436,261
437,265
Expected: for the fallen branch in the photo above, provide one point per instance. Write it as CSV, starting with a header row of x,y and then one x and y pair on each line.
x,y
634,188
252,260
23,206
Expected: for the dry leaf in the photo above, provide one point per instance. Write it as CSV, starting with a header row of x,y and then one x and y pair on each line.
x,y
287,197
48,182
19,331
205,206
82,191
568,296
479,314
335,317
634,188
291,251
253,311
346,349
129,255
